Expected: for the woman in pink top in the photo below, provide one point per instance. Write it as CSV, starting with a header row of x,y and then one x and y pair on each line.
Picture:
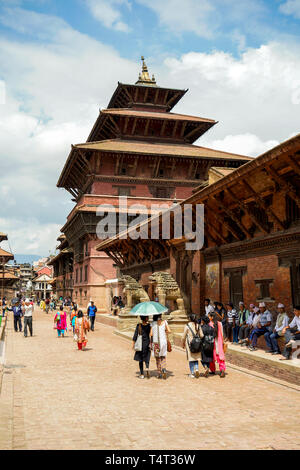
x,y
219,354
60,322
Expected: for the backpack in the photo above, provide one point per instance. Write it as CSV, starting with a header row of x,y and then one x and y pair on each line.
x,y
195,344
208,342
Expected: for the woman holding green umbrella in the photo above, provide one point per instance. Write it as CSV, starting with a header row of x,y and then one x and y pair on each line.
x,y
159,332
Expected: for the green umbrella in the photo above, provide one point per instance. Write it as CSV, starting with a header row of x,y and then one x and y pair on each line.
x,y
147,309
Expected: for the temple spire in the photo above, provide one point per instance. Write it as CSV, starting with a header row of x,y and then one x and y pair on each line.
x,y
144,77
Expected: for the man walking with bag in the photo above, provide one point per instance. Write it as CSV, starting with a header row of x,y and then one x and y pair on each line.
x,y
27,312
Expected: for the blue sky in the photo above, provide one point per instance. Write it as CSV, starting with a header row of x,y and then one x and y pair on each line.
x,y
228,25
61,61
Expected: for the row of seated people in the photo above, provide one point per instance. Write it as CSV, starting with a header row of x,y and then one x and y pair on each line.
x,y
244,326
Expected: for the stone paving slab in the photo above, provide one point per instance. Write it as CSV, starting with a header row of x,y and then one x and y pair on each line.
x,y
55,397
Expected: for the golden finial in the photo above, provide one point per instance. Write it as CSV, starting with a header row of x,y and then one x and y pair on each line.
x,y
144,77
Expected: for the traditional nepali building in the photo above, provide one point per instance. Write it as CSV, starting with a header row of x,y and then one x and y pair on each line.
x,y
62,283
251,246
140,149
42,287
7,278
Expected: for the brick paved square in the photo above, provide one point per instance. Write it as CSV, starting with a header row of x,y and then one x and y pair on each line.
x,y
59,392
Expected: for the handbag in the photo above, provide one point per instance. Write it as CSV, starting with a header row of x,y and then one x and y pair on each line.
x,y
224,347
138,346
156,346
169,345
156,349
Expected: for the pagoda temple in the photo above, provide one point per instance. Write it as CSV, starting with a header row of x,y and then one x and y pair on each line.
x,y
140,149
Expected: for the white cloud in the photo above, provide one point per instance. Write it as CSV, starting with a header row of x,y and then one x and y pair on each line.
x,y
252,94
54,91
245,144
108,13
192,15
40,239
291,7
207,18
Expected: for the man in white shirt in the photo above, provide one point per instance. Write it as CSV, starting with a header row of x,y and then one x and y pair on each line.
x,y
271,336
291,333
263,326
27,309
208,307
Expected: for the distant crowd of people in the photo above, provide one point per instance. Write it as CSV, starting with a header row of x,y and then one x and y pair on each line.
x,y
80,324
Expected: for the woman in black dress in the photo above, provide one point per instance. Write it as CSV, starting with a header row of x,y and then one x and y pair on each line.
x,y
142,356
207,347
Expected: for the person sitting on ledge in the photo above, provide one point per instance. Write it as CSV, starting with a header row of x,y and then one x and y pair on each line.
x,y
292,334
263,325
271,336
245,326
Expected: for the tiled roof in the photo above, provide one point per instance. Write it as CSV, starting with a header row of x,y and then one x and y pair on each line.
x,y
154,115
222,171
63,252
6,254
131,146
245,171
8,275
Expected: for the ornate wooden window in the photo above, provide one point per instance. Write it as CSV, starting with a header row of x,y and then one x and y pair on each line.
x,y
264,286
85,274
292,261
80,274
295,278
163,192
124,191
236,283
292,211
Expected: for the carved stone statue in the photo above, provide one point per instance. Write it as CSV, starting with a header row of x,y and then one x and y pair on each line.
x,y
133,293
168,292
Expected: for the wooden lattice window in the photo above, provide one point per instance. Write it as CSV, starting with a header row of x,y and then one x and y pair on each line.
x,y
292,211
124,191
264,287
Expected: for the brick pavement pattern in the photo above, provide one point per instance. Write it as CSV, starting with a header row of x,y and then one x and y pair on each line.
x,y
55,397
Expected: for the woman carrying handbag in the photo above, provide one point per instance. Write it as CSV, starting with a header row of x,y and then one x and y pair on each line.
x,y
141,345
160,344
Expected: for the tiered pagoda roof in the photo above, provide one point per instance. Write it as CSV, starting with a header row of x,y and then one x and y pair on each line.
x,y
138,121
